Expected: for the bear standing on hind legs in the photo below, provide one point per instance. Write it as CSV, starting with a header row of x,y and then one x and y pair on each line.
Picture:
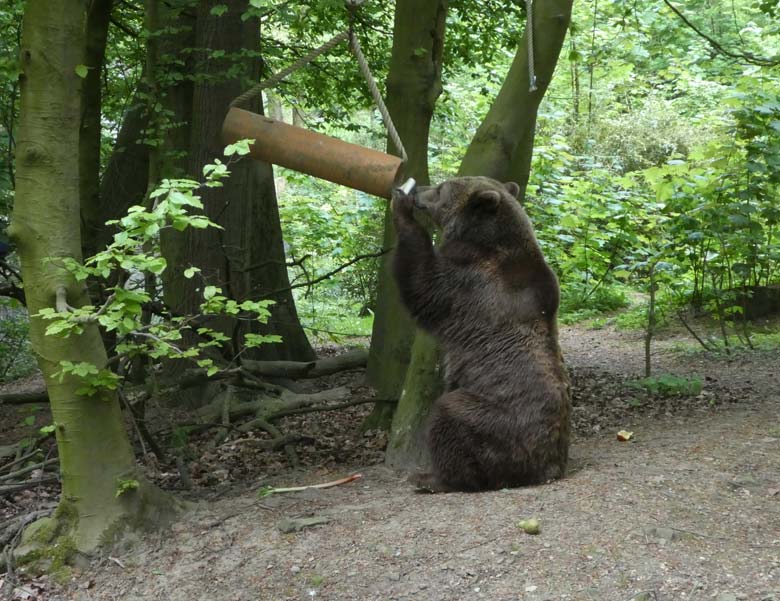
x,y
488,296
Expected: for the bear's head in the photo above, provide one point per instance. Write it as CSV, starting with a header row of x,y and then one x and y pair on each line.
x,y
476,209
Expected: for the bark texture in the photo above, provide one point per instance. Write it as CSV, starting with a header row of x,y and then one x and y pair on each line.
x,y
126,177
98,16
94,449
413,86
246,258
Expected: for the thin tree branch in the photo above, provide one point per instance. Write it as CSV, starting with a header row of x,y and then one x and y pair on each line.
x,y
316,408
331,273
745,56
28,469
124,28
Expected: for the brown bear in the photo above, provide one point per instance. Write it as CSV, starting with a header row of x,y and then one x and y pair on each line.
x,y
488,296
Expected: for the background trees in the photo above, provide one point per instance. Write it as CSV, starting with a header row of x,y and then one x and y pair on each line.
x,y
650,166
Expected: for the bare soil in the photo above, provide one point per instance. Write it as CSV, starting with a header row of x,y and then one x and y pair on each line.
x,y
689,509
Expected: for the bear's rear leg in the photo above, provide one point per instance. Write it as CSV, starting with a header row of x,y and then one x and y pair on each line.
x,y
454,447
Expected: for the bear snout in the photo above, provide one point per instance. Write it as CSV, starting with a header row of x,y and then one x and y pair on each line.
x,y
424,197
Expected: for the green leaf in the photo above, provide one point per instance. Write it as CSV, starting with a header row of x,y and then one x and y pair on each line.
x,y
240,148
219,10
157,266
123,486
82,71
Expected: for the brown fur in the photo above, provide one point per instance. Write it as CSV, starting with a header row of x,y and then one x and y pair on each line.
x,y
488,296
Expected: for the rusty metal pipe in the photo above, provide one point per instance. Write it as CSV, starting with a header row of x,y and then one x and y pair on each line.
x,y
306,151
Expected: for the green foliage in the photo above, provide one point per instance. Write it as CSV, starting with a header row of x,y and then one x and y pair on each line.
x,y
325,227
635,317
94,379
656,163
579,303
10,35
135,253
333,319
667,178
123,486
669,385
16,358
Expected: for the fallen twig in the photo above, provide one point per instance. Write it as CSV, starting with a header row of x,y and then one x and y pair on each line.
x,y
116,561
10,489
21,459
334,407
28,469
272,490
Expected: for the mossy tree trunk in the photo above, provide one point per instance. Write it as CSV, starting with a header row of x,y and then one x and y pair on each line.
x,y
246,258
413,86
501,149
95,453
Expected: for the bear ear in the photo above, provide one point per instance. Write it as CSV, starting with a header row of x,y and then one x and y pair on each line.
x,y
485,201
512,188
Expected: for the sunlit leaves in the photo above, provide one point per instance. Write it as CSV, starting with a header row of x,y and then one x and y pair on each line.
x,y
135,257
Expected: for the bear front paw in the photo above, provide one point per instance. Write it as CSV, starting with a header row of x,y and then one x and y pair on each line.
x,y
402,205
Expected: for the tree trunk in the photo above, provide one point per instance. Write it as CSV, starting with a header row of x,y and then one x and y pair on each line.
x,y
413,86
94,450
126,176
247,258
503,145
650,330
501,149
124,181
274,106
98,17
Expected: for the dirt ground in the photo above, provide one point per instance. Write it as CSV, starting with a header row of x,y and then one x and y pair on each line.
x,y
690,509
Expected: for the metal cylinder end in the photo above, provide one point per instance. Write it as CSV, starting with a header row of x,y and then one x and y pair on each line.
x,y
407,187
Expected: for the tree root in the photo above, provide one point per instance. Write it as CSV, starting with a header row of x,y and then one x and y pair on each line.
x,y
292,370
22,398
9,489
247,396
270,404
11,527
